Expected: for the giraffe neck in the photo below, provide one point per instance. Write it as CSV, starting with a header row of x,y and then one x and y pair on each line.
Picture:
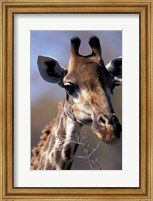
x,y
57,149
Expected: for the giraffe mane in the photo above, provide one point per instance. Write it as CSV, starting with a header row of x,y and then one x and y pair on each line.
x,y
46,132
44,138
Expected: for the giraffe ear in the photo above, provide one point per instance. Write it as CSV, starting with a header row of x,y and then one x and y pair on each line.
x,y
115,69
50,70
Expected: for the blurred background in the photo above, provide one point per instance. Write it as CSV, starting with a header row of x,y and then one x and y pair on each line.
x,y
46,96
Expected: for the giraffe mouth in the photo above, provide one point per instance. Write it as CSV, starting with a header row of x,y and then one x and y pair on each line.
x,y
85,121
109,135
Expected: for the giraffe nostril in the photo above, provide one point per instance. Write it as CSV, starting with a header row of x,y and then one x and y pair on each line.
x,y
102,120
113,120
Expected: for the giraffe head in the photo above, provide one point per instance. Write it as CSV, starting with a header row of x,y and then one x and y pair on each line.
x,y
88,84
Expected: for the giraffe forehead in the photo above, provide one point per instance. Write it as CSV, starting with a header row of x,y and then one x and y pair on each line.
x,y
88,73
81,61
80,76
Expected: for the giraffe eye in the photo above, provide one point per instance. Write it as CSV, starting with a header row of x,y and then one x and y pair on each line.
x,y
70,88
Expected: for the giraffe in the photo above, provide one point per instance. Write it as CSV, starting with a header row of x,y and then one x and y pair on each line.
x,y
88,84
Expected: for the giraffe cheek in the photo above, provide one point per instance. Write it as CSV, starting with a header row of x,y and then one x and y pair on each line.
x,y
83,118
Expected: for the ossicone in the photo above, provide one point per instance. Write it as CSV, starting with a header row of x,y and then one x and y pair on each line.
x,y
95,46
75,44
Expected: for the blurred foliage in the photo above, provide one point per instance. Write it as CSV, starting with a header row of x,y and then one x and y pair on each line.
x,y
43,110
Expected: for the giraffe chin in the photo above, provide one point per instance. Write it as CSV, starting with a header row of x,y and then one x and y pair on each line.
x,y
107,136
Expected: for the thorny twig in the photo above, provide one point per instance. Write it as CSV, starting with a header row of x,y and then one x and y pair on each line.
x,y
93,150
95,161
82,157
89,155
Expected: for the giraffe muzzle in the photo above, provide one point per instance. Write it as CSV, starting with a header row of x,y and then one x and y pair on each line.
x,y
107,129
